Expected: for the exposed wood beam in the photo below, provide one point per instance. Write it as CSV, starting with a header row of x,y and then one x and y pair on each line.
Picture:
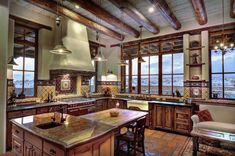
x,y
200,11
29,24
52,7
167,13
106,16
131,11
232,9
96,44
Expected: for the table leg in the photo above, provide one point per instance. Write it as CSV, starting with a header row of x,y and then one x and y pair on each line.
x,y
195,145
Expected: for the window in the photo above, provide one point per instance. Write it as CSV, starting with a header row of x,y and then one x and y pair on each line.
x,y
223,74
172,73
162,73
134,75
149,75
25,54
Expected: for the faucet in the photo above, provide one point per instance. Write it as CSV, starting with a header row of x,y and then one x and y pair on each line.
x,y
61,111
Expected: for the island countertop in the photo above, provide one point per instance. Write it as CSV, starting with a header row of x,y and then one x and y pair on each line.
x,y
77,130
74,131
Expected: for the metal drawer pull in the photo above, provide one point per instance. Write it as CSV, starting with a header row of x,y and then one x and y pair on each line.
x,y
52,152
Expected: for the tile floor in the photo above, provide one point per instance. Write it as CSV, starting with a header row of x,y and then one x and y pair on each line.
x,y
160,143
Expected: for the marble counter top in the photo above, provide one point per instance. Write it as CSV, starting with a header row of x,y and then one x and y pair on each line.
x,y
74,131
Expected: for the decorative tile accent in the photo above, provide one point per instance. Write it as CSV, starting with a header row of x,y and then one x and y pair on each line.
x,y
43,91
73,84
117,83
85,89
186,92
205,93
114,89
46,83
196,84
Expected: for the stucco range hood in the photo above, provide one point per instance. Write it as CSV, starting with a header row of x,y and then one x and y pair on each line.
x,y
59,72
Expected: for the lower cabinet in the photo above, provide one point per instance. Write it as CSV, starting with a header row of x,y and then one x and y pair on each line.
x,y
101,105
163,117
170,117
30,150
31,145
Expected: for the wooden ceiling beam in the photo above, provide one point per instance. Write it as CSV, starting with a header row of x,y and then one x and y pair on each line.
x,y
131,11
106,16
167,13
200,11
232,9
52,7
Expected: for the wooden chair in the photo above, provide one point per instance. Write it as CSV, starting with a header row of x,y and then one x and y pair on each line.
x,y
133,139
132,125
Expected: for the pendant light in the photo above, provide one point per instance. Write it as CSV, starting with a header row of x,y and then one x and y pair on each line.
x,y
11,61
60,48
224,45
140,58
99,56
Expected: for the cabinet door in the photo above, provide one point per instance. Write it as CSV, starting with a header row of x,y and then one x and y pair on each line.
x,y
158,116
123,104
112,104
17,146
30,150
168,117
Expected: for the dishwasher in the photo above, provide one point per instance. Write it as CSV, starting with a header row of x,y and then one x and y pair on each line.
x,y
143,105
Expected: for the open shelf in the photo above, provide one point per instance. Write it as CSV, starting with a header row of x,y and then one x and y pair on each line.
x,y
195,48
195,65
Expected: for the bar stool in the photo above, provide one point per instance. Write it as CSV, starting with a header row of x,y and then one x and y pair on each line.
x,y
133,139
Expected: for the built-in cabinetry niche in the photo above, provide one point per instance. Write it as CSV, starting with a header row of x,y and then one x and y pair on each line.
x,y
195,80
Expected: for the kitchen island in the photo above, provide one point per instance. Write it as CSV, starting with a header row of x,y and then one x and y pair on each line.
x,y
78,135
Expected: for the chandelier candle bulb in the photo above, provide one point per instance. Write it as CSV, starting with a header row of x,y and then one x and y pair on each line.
x,y
221,44
231,45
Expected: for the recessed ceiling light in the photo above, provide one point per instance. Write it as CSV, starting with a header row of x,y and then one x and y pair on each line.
x,y
151,9
77,6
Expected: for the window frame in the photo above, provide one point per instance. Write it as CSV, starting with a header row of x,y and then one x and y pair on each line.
x,y
36,60
223,73
160,74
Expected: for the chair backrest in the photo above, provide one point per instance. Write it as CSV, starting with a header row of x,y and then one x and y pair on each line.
x,y
139,129
134,108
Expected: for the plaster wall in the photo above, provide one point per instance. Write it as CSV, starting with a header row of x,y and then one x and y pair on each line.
x,y
4,16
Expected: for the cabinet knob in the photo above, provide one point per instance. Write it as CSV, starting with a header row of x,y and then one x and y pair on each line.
x,y
52,152
17,131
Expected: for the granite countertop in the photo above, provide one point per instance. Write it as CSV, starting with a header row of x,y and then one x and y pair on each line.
x,y
68,101
170,103
73,131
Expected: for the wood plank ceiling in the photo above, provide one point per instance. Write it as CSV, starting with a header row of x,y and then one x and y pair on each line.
x,y
106,16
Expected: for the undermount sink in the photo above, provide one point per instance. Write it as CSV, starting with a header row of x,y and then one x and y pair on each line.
x,y
48,125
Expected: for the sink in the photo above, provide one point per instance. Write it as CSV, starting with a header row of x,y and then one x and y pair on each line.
x,y
48,125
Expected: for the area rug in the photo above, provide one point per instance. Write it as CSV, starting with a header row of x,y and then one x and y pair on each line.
x,y
206,150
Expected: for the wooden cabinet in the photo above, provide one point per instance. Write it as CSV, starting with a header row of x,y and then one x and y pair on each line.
x,y
163,117
52,150
112,103
17,146
30,150
31,145
170,117
182,120
101,105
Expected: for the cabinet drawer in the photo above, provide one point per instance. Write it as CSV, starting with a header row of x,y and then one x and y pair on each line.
x,y
42,110
17,131
23,113
33,140
17,146
179,127
52,150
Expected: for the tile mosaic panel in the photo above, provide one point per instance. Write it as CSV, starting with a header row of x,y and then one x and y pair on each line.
x,y
43,91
